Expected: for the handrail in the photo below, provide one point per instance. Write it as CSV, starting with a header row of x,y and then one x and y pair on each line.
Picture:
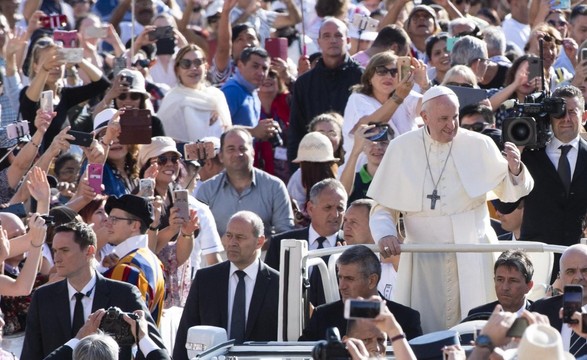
x,y
472,248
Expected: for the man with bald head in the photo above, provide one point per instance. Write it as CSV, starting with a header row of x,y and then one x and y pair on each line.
x,y
324,88
573,271
438,177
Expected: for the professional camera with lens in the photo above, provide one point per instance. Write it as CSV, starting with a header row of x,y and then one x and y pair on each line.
x,y
113,324
331,348
530,125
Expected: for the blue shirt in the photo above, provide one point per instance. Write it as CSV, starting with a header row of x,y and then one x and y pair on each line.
x,y
243,102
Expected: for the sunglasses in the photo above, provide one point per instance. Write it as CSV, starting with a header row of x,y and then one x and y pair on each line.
x,y
382,71
162,159
555,23
142,63
467,85
186,64
550,38
476,127
132,96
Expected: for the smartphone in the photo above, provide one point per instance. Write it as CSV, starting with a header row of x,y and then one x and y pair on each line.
x,y
17,129
95,177
161,32
165,46
199,150
365,23
17,209
71,55
119,64
181,203
67,39
362,309
583,55
147,187
518,327
572,301
53,21
96,32
81,138
378,132
126,80
534,68
276,47
47,101
560,4
49,220
403,64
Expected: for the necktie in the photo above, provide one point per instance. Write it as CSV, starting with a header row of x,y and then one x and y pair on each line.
x,y
78,314
577,346
564,168
238,321
321,241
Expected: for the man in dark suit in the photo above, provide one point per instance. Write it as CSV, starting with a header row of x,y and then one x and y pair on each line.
x,y
573,265
359,271
510,216
50,323
513,273
214,296
554,210
326,209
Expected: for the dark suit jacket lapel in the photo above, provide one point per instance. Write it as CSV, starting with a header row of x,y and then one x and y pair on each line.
x,y
101,294
224,275
581,159
59,303
551,168
258,298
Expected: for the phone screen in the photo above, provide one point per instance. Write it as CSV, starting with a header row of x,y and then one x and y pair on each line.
x,y
572,302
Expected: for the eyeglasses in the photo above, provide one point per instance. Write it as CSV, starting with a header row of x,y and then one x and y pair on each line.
x,y
476,127
115,219
555,23
132,96
550,38
186,64
163,159
142,63
382,71
467,85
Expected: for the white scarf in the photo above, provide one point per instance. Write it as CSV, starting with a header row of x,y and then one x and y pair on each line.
x,y
186,112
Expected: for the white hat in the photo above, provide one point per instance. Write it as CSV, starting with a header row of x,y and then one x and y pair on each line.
x,y
103,117
159,145
315,147
437,91
138,81
539,342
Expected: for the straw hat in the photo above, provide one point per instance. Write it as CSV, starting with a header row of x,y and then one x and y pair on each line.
x,y
539,342
159,145
315,147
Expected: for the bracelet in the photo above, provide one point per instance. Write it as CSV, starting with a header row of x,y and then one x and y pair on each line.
x,y
103,143
35,145
33,245
184,235
398,337
396,99
153,228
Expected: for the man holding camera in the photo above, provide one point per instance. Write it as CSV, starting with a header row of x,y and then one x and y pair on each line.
x,y
438,177
554,210
59,310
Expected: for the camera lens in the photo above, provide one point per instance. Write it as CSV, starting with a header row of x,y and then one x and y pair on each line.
x,y
520,132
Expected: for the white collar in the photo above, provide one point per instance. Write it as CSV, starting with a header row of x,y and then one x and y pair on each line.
x,y
555,143
251,270
313,235
87,288
130,244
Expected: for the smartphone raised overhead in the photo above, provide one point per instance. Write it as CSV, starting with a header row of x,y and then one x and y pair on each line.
x,y
67,39
47,101
181,202
96,32
161,32
404,67
362,309
534,68
81,138
199,150
95,177
572,302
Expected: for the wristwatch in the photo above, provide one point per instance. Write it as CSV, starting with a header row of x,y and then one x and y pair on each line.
x,y
484,341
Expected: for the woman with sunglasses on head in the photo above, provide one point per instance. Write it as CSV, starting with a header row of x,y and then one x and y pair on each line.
x,y
193,109
170,236
381,98
46,71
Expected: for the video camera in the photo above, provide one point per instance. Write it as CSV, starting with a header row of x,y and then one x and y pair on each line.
x,y
530,125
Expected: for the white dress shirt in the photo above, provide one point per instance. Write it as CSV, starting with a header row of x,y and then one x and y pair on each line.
x,y
86,300
250,280
554,153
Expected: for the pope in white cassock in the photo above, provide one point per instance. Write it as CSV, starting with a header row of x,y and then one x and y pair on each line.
x,y
440,178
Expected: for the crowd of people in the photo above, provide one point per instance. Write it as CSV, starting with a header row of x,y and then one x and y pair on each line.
x,y
154,154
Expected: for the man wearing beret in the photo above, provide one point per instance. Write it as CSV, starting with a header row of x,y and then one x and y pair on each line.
x,y
128,222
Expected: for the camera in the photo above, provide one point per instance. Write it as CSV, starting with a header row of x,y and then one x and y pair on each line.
x,y
276,140
530,125
331,348
113,324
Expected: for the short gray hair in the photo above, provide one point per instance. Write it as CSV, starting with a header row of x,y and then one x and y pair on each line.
x,y
96,347
253,219
467,49
362,256
460,21
494,37
325,184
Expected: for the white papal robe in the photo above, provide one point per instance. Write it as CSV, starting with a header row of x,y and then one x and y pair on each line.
x,y
443,287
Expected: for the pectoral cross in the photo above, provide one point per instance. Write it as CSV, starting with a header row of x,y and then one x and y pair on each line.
x,y
433,197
